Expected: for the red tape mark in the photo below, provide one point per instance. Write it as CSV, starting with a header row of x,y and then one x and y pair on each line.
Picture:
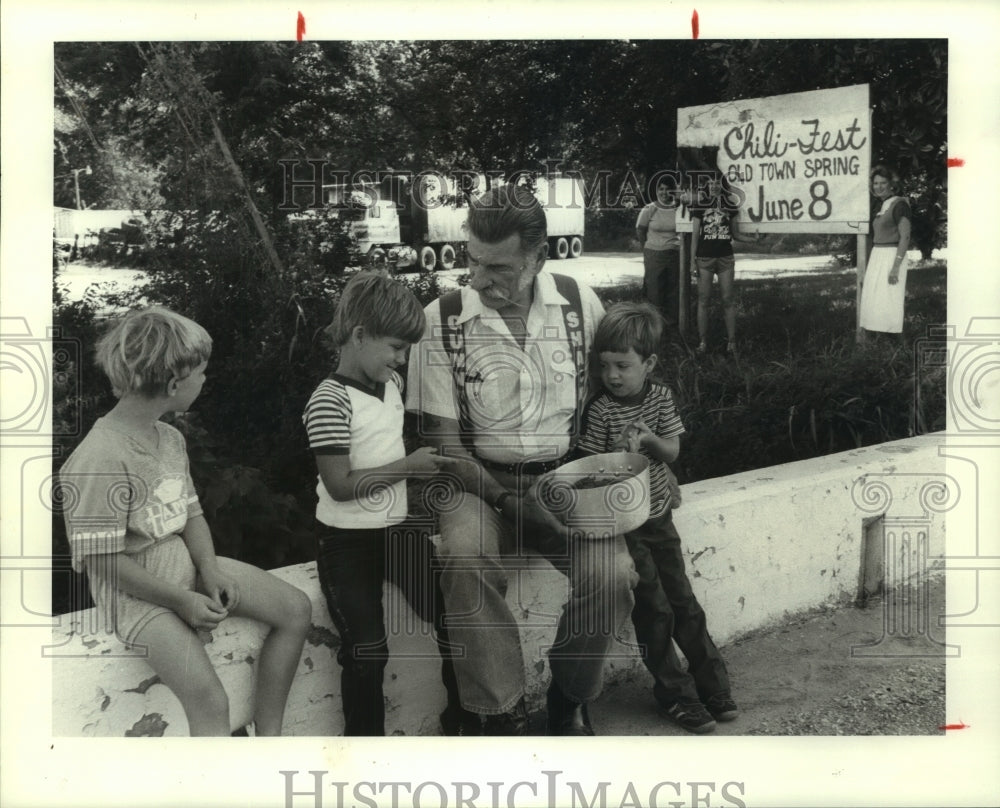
x,y
300,27
694,24
955,162
960,725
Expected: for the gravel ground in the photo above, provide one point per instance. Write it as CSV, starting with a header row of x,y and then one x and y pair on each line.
x,y
833,671
907,701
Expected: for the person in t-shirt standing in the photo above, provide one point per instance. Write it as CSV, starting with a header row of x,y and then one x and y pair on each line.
x,y
656,230
714,228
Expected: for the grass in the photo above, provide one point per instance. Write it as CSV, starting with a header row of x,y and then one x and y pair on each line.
x,y
800,386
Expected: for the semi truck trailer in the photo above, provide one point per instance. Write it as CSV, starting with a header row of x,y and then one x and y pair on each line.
x,y
419,224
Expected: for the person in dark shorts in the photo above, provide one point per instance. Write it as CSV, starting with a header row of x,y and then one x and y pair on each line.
x,y
714,228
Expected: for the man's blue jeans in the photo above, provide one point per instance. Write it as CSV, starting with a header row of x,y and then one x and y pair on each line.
x,y
490,670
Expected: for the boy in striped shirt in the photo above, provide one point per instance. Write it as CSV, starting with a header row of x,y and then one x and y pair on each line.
x,y
354,419
636,413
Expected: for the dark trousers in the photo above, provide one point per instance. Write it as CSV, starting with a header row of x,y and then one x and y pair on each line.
x,y
667,611
661,281
352,566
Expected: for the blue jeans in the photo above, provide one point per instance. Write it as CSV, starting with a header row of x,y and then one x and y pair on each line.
x,y
666,610
352,565
490,664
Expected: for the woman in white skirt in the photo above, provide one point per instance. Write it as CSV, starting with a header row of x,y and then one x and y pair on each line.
x,y
883,285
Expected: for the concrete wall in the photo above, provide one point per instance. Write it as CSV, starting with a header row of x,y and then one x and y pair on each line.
x,y
760,546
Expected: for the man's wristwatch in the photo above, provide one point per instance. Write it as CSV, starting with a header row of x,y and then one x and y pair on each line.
x,y
499,501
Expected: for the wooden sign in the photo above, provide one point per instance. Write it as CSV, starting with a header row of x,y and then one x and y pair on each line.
x,y
799,162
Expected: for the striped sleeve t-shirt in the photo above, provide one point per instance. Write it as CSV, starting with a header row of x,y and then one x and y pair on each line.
x,y
344,417
606,417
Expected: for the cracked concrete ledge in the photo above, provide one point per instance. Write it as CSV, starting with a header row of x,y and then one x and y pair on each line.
x,y
760,546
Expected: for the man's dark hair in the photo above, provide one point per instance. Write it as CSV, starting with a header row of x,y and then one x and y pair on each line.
x,y
506,210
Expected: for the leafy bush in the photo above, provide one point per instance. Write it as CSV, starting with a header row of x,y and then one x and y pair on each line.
x,y
79,395
799,244
610,229
800,387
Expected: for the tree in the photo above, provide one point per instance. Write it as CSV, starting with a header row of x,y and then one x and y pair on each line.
x,y
488,105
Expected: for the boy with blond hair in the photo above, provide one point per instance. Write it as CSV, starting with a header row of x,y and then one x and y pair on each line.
x,y
136,527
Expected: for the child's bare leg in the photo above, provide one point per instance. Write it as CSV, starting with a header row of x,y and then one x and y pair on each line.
x,y
289,613
728,301
178,656
704,293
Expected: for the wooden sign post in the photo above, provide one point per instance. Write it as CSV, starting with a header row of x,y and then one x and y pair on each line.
x,y
860,274
682,280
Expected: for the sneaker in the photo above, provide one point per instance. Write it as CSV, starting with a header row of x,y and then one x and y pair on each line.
x,y
731,347
702,349
513,722
722,707
457,721
689,714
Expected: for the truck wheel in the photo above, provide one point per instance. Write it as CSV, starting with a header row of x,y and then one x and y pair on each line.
x,y
446,257
562,247
427,258
575,247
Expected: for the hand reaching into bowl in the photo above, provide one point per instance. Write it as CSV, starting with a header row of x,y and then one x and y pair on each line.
x,y
597,495
632,437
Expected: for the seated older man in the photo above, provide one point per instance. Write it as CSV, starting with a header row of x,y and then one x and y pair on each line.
x,y
498,380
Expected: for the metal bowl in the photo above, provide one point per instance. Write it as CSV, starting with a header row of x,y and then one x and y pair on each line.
x,y
599,496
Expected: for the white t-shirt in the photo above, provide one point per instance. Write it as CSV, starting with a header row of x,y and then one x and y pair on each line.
x,y
344,417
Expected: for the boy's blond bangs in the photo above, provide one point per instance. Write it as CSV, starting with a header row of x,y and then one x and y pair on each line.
x,y
146,348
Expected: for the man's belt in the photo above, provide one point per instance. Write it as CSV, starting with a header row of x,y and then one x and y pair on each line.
x,y
526,467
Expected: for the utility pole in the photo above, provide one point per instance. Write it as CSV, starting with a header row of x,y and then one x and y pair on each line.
x,y
76,183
